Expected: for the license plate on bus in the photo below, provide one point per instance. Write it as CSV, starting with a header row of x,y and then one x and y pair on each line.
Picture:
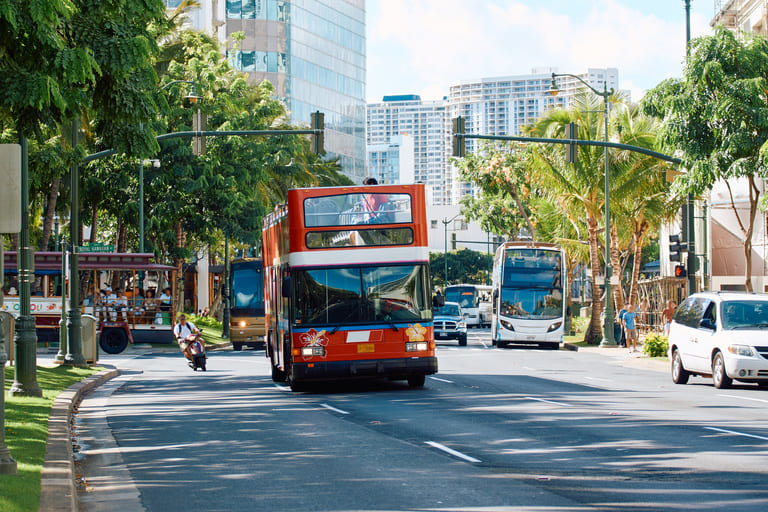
x,y
366,348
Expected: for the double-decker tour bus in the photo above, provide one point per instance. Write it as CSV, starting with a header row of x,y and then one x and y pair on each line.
x,y
246,310
347,285
122,291
472,298
528,285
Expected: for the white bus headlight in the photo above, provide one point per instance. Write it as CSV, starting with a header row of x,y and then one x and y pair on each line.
x,y
555,326
507,325
312,351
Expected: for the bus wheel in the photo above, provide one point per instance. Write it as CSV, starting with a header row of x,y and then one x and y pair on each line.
x,y
236,346
278,375
113,341
416,381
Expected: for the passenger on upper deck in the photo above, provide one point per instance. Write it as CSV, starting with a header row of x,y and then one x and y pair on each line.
x,y
375,205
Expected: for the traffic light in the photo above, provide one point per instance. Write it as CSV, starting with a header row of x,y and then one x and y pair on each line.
x,y
453,241
317,121
674,248
680,271
458,126
572,133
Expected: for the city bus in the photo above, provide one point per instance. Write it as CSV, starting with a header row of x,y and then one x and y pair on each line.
x,y
347,287
246,310
528,304
475,302
133,314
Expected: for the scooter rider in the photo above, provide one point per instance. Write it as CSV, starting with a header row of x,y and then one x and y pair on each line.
x,y
185,333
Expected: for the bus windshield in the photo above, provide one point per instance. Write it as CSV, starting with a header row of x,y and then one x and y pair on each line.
x,y
354,295
466,296
531,284
247,286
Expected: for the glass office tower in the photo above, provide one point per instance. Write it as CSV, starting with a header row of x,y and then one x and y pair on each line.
x,y
313,52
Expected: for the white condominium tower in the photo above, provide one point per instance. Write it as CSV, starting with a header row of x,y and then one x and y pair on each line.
x,y
504,105
425,123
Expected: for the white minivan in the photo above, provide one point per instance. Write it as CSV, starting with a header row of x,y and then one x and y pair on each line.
x,y
723,335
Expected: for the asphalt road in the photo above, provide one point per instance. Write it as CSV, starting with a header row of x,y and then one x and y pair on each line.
x,y
496,429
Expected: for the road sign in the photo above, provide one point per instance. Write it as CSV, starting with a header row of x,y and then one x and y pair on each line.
x,y
97,247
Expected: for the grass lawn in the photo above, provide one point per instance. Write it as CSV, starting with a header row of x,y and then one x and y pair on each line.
x,y
26,432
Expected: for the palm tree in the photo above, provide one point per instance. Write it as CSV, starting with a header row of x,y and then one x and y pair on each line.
x,y
579,187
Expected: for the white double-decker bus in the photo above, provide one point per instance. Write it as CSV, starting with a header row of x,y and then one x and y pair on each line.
x,y
471,298
528,304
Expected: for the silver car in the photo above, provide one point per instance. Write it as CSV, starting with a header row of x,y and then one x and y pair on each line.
x,y
723,335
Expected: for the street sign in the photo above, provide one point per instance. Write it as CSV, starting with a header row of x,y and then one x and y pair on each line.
x,y
97,247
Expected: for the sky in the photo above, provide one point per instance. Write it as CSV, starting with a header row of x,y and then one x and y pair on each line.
x,y
423,46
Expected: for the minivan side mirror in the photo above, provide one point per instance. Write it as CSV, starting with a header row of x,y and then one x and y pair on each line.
x,y
707,323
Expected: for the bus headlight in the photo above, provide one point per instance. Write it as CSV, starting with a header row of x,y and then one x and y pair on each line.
x,y
416,346
507,325
242,323
312,351
555,326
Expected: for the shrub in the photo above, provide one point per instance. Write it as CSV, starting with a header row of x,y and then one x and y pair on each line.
x,y
655,345
205,321
579,323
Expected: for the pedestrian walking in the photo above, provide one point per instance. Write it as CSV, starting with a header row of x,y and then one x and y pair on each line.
x,y
628,321
667,315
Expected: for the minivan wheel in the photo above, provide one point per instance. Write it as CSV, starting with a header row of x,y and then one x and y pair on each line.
x,y
720,378
679,374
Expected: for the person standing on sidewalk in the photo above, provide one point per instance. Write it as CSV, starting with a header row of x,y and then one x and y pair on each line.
x,y
667,315
630,328
623,336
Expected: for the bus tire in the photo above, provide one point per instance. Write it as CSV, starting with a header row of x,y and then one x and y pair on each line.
x,y
113,341
416,381
278,375
237,346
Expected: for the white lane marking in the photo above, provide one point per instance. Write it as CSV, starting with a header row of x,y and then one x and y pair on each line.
x,y
485,345
548,401
452,451
598,378
332,408
529,368
724,431
441,380
282,388
745,398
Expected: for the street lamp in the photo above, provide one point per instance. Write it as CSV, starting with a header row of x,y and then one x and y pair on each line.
x,y
445,252
608,338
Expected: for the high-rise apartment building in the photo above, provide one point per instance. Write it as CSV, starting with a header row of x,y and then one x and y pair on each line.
x,y
392,162
425,122
504,105
312,51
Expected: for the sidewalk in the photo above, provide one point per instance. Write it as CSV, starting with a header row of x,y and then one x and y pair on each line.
x,y
623,357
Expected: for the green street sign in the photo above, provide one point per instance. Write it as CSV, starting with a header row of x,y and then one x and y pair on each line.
x,y
97,247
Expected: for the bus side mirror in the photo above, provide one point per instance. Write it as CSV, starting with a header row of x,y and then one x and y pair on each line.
x,y
286,287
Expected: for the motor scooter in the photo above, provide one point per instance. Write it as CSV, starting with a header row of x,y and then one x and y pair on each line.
x,y
196,348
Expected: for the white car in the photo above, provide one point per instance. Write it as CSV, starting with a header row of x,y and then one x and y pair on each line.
x,y
723,335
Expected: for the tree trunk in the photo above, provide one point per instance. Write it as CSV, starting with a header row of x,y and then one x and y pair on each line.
x,y
637,237
122,236
178,286
50,211
594,333
94,223
617,291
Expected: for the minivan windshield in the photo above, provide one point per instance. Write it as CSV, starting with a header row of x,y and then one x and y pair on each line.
x,y
744,314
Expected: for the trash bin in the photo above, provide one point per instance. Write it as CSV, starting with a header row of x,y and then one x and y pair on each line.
x,y
617,333
89,345
9,330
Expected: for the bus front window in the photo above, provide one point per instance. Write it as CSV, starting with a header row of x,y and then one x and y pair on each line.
x,y
359,295
531,303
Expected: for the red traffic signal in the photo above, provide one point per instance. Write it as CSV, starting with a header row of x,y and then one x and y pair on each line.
x,y
680,271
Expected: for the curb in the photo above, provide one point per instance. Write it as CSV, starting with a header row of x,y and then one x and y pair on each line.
x,y
57,483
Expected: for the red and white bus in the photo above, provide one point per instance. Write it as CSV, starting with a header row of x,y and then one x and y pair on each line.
x,y
347,285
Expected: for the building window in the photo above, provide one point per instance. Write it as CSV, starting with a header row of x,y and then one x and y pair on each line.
x,y
433,224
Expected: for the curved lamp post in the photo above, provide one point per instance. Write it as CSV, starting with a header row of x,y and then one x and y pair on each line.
x,y
608,338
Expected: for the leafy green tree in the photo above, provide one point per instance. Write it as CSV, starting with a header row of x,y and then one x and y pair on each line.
x,y
716,120
464,266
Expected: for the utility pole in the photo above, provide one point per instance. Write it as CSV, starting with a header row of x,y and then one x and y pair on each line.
x,y
688,221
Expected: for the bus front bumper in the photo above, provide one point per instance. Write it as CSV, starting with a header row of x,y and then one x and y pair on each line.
x,y
394,368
